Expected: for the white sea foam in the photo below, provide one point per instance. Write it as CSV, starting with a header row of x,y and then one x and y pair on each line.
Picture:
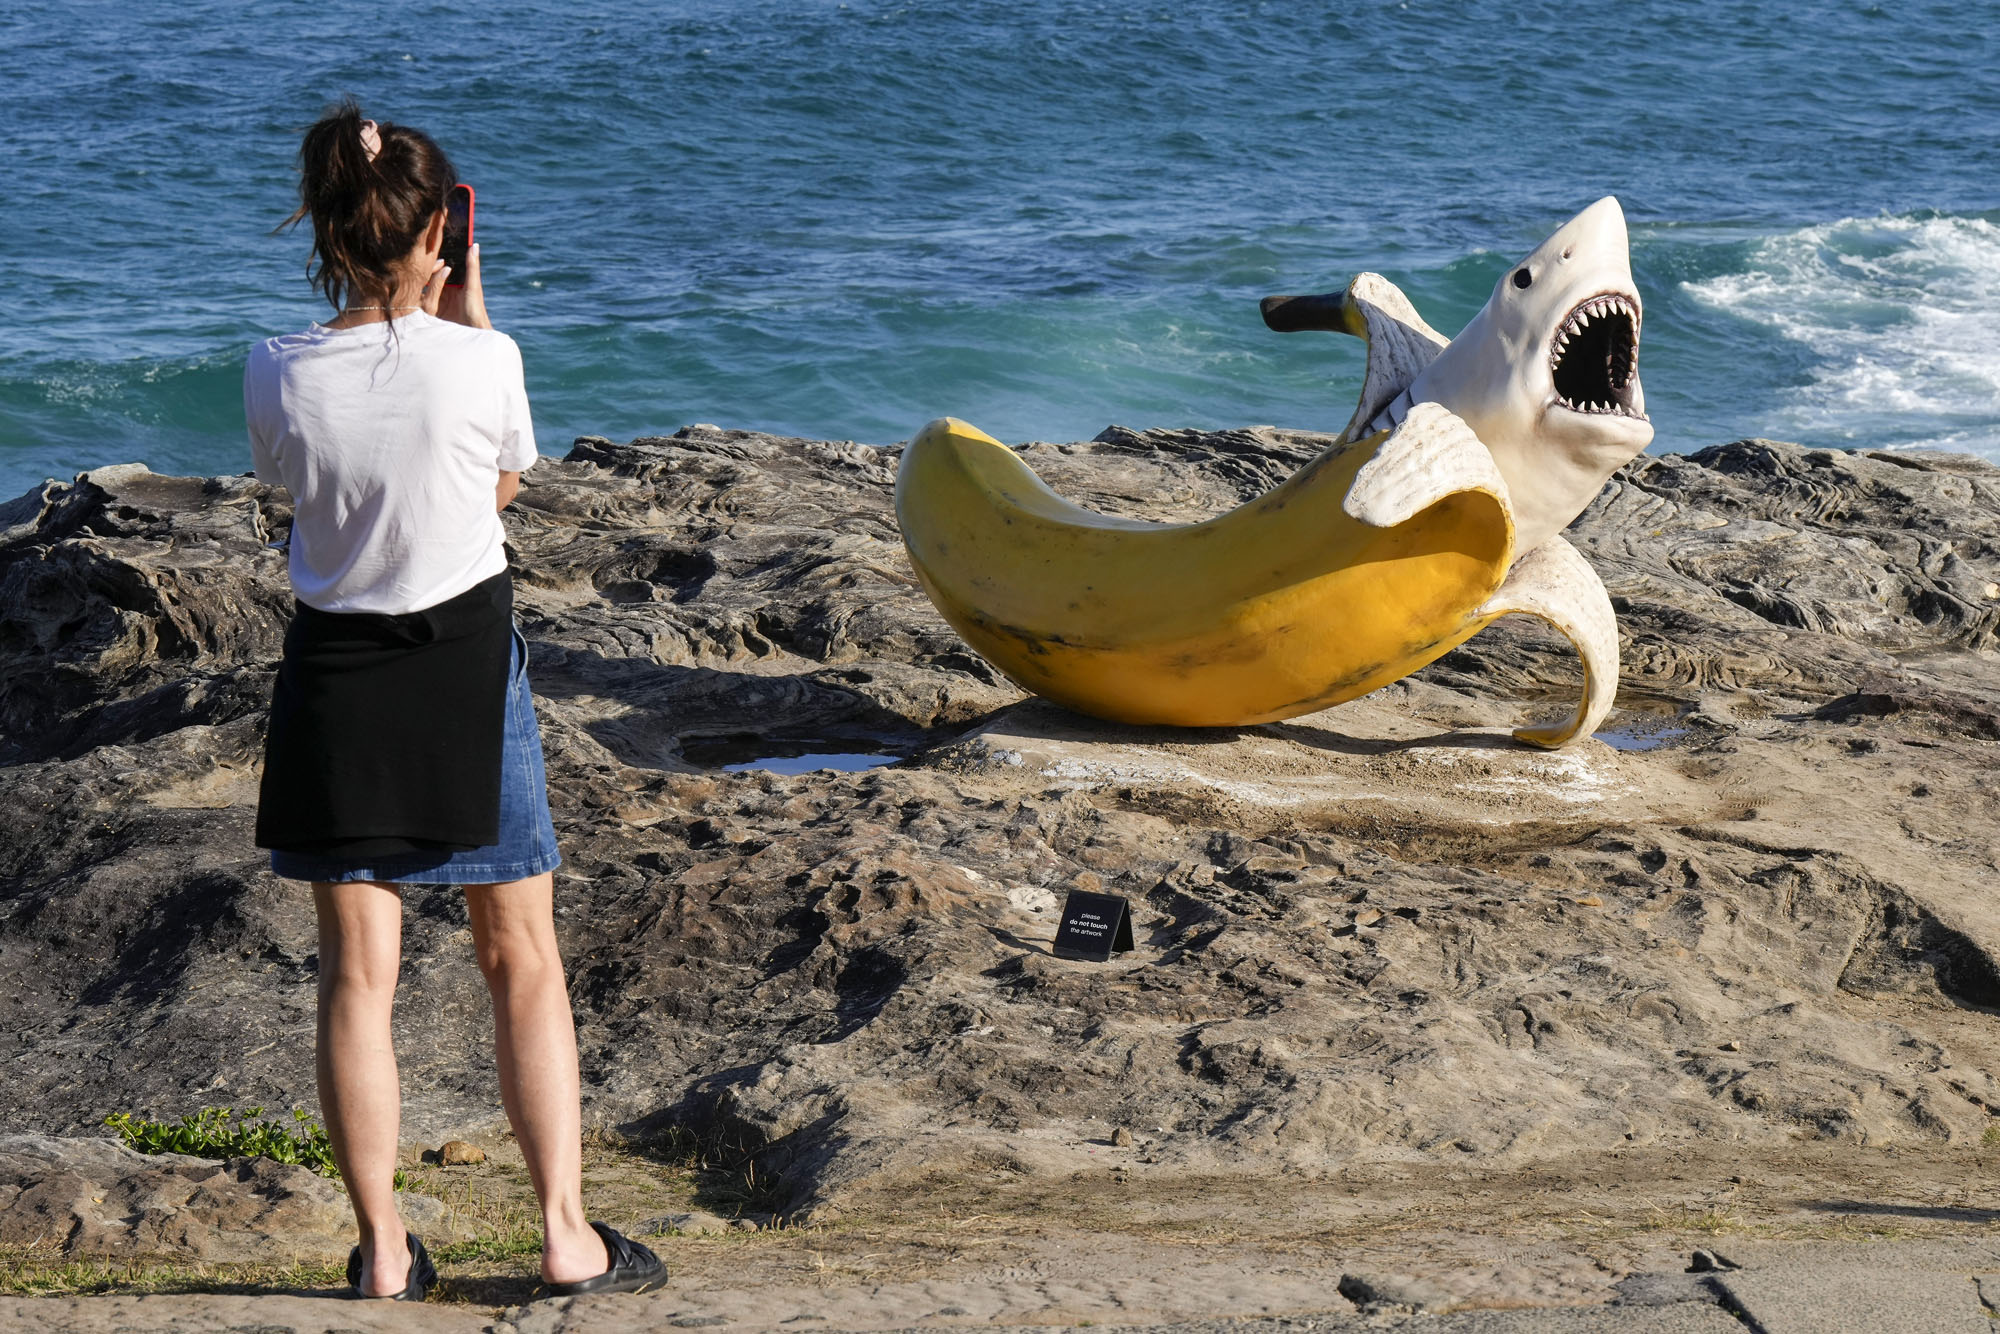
x,y
1902,318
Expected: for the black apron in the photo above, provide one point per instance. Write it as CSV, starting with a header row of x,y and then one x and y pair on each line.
x,y
386,731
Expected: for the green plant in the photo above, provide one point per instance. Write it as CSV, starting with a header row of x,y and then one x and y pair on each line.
x,y
219,1132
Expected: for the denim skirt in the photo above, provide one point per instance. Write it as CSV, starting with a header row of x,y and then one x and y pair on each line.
x,y
527,843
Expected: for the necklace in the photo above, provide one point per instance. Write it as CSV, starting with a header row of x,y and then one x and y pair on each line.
x,y
418,306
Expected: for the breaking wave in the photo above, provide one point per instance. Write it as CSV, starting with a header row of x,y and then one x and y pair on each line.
x,y
1900,317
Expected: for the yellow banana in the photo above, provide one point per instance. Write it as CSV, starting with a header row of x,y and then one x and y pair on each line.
x,y
1284,605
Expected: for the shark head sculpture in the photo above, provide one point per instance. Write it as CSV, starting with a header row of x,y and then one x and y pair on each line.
x,y
1547,374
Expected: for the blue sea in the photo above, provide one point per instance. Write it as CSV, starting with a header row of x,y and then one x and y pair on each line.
x,y
843,219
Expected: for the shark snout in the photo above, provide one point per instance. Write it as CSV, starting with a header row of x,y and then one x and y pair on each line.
x,y
1588,250
1601,226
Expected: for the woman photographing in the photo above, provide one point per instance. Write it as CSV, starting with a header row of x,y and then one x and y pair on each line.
x,y
403,747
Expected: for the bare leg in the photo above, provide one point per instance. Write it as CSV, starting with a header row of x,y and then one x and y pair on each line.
x,y
513,928
360,951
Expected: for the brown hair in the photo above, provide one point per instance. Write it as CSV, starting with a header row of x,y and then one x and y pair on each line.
x,y
366,214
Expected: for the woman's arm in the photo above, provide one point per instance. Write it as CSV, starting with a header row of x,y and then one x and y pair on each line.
x,y
510,486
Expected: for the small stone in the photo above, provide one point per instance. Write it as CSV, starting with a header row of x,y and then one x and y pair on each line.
x,y
1588,901
743,1224
1367,917
1121,1138
1731,1045
1710,1262
457,1153
693,1224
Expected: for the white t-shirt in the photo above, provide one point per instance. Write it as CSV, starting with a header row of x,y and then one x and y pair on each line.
x,y
391,445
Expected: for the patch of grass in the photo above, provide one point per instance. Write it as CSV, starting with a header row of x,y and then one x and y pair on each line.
x,y
1712,1221
1992,1135
219,1132
512,1244
45,1272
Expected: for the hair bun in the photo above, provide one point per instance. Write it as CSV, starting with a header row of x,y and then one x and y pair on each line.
x,y
370,191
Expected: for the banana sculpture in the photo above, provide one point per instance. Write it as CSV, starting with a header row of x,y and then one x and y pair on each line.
x,y
1438,511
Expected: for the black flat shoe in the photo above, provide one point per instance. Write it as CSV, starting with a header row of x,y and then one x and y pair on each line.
x,y
423,1275
634,1268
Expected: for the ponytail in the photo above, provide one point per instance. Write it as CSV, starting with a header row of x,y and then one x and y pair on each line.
x,y
367,211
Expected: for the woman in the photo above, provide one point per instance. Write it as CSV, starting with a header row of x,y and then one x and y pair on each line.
x,y
403,747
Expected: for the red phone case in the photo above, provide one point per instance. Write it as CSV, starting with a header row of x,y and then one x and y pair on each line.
x,y
457,278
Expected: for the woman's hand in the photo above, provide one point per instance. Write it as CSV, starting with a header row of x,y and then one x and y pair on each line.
x,y
461,305
431,294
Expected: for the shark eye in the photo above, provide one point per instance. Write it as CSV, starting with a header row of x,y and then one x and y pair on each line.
x,y
1522,277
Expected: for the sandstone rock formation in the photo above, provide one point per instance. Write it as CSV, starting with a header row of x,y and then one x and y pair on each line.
x,y
95,1197
1764,911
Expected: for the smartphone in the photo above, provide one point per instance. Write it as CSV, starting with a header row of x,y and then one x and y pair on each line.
x,y
457,232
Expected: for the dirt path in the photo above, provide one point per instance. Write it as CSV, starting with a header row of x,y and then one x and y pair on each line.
x,y
1120,1246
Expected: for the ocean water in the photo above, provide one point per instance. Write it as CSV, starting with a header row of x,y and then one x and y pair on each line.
x,y
843,219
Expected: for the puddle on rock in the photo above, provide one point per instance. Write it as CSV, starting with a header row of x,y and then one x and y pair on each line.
x,y
805,764
1640,736
738,754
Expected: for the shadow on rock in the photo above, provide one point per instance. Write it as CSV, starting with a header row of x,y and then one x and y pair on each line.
x,y
1941,1212
655,708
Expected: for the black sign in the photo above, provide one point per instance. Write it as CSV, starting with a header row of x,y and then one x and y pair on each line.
x,y
1093,925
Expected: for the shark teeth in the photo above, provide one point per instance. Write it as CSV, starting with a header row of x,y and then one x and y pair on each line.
x,y
1594,357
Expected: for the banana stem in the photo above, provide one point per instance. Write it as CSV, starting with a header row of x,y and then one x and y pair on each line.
x,y
1328,312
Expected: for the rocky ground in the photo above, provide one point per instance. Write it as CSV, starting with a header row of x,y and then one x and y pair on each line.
x,y
1749,933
